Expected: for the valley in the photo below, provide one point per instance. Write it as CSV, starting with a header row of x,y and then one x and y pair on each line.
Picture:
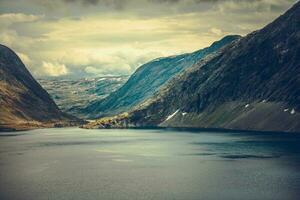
x,y
149,100
238,82
73,95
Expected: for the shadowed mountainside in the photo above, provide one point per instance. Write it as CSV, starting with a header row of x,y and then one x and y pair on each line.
x,y
148,79
24,104
251,84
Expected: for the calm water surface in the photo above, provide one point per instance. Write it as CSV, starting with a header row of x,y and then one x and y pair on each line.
x,y
73,163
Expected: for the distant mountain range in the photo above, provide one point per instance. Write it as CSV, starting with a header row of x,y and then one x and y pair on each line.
x,y
251,84
73,95
148,79
24,104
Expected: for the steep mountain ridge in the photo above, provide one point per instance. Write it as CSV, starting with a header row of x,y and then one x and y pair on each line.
x,y
24,103
251,84
148,79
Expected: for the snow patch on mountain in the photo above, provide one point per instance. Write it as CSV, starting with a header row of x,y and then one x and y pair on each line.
x,y
172,115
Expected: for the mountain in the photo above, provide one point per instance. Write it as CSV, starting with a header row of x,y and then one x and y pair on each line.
x,y
73,95
148,79
24,104
251,84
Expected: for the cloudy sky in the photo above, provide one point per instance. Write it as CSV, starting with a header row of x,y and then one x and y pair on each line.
x,y
111,37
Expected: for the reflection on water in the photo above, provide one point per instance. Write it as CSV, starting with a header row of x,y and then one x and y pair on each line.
x,y
73,163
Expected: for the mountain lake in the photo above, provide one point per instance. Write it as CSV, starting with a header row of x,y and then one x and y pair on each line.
x,y
73,163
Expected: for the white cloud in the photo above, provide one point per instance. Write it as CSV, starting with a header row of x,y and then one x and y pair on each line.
x,y
54,69
68,39
19,17
216,31
10,18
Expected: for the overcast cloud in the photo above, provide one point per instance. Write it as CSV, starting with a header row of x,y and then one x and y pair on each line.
x,y
110,37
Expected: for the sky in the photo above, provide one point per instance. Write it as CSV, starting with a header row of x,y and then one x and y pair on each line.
x,y
82,38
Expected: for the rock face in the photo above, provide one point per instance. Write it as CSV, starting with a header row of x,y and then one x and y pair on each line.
x,y
251,84
148,79
73,95
24,104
